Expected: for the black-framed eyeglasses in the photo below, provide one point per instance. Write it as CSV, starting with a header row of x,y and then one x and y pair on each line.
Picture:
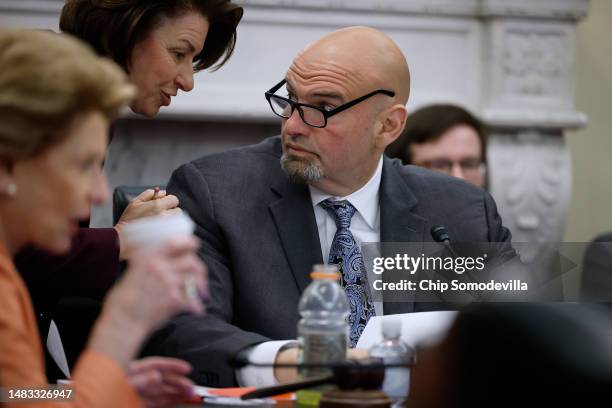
x,y
312,115
469,166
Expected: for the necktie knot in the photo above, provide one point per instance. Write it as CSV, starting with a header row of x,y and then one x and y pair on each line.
x,y
341,211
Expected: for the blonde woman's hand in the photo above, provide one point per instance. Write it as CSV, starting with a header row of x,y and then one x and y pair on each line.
x,y
158,281
160,381
155,287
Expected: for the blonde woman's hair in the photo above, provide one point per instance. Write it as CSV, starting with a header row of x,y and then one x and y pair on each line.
x,y
46,81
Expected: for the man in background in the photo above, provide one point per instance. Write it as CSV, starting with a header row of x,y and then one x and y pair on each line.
x,y
444,138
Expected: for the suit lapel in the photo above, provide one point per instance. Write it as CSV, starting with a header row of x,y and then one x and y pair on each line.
x,y
297,228
296,224
398,222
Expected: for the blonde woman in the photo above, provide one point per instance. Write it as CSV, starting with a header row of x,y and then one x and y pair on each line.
x,y
56,101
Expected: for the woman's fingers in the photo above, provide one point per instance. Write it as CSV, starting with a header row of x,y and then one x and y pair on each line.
x,y
164,203
160,284
148,204
146,195
162,364
179,269
161,381
178,245
172,211
146,381
174,384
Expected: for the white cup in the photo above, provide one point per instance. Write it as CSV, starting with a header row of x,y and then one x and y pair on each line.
x,y
147,234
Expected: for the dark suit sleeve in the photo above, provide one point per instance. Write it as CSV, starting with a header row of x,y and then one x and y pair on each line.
x,y
89,269
497,232
208,342
597,271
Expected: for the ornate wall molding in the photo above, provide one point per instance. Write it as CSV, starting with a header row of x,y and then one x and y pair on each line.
x,y
543,9
531,74
551,9
548,9
532,80
531,180
432,7
534,63
437,49
509,60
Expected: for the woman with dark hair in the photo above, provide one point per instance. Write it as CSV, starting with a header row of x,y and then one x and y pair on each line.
x,y
56,100
160,44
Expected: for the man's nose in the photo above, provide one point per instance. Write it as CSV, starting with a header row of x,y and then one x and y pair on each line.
x,y
294,124
457,171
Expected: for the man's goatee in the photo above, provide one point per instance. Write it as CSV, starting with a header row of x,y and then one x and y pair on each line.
x,y
300,171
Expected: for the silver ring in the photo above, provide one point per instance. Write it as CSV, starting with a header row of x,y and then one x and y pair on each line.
x,y
190,288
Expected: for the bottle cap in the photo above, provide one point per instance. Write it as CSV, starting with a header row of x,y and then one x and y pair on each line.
x,y
391,327
324,275
325,271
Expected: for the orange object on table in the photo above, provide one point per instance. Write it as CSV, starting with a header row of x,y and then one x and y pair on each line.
x,y
237,392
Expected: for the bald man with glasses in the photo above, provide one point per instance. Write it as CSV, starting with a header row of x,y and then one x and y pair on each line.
x,y
267,213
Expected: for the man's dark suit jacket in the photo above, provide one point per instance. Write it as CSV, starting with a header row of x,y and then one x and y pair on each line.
x,y
260,240
597,271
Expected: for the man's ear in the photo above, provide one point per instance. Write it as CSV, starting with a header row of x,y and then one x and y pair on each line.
x,y
393,122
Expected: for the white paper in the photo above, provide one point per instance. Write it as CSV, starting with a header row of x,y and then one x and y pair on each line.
x,y
215,399
56,349
423,328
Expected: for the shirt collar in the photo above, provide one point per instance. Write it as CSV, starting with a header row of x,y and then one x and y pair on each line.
x,y
365,200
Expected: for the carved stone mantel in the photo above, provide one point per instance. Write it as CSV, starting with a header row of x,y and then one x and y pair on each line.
x,y
510,61
529,102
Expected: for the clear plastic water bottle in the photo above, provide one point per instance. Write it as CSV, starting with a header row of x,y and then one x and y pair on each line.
x,y
323,329
393,351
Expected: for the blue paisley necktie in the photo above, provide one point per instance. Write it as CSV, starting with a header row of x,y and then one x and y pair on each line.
x,y
345,252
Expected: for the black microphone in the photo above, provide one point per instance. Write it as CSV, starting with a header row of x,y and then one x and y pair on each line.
x,y
440,234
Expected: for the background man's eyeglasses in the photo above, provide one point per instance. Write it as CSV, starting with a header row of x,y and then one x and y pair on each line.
x,y
468,166
312,115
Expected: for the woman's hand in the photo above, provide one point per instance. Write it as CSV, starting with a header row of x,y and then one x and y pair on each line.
x,y
147,204
161,382
155,287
